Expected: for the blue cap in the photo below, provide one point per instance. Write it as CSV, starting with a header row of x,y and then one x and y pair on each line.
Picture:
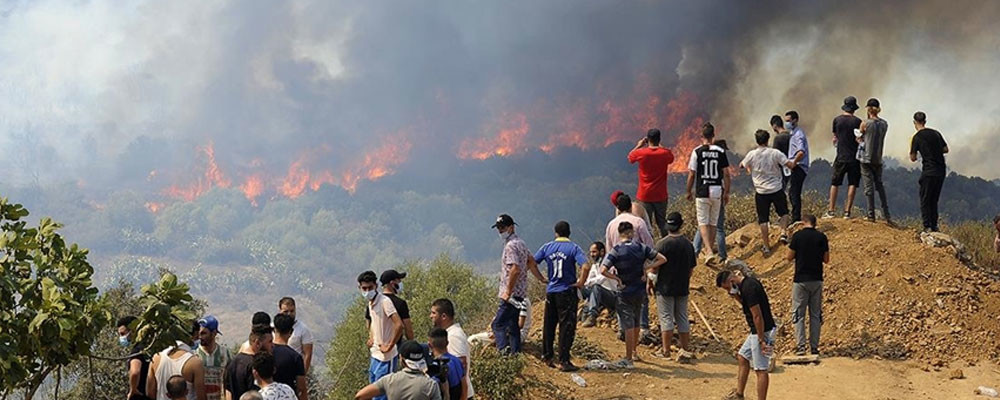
x,y
209,322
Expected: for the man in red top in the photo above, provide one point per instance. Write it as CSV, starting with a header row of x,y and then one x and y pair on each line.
x,y
653,163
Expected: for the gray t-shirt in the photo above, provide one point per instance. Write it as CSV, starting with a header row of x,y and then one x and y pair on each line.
x,y
408,384
765,168
874,138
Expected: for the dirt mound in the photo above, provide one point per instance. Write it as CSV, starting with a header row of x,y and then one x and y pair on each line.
x,y
886,295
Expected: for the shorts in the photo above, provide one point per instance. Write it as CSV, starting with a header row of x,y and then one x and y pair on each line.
x,y
629,310
378,368
707,210
764,202
752,352
851,169
673,312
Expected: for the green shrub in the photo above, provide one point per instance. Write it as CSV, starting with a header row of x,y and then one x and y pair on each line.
x,y
977,236
496,376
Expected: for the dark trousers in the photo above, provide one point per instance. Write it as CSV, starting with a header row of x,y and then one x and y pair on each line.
x,y
505,330
872,174
930,193
560,308
657,214
795,192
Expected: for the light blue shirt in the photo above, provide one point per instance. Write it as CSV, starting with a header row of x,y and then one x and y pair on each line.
x,y
799,142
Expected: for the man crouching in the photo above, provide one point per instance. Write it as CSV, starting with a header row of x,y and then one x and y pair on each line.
x,y
758,348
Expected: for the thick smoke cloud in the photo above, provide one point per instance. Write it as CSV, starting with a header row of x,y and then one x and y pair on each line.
x,y
103,93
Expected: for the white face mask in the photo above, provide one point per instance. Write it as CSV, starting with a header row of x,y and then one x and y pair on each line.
x,y
735,290
399,287
505,235
369,295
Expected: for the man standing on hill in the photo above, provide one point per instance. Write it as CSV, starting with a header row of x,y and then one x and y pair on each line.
x,y
653,164
709,177
758,348
671,288
302,338
138,363
637,210
764,165
932,148
782,140
443,316
214,357
810,250
873,132
290,369
628,258
562,257
846,163
392,284
177,360
798,151
513,285
641,236
239,372
410,383
384,331
720,228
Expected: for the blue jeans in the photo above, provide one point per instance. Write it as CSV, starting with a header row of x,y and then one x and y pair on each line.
x,y
378,369
599,297
505,329
720,236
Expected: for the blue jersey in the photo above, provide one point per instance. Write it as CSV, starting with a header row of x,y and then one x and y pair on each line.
x,y
562,257
629,259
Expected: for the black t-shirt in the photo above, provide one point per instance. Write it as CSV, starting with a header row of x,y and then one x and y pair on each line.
x,y
288,365
847,145
709,164
810,245
782,141
674,278
930,144
239,375
402,308
752,294
136,354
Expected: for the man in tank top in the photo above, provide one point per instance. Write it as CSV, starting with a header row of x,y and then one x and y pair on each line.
x,y
177,360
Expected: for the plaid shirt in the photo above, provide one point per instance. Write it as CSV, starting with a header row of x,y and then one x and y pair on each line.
x,y
514,252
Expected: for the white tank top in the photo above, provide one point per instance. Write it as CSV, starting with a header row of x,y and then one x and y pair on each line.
x,y
169,367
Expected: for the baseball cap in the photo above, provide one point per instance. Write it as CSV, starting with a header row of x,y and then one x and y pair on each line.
x,y
390,275
872,102
504,221
614,197
674,220
209,322
413,355
850,104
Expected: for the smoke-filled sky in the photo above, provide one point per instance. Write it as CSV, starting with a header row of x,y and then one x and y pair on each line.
x,y
282,96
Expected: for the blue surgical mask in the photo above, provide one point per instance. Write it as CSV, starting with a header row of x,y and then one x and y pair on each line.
x,y
789,125
196,344
399,287
369,294
123,341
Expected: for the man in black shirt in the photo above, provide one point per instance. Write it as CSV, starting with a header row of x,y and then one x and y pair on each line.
x,y
239,372
758,348
846,163
392,285
932,148
671,288
138,363
782,140
708,185
810,249
290,368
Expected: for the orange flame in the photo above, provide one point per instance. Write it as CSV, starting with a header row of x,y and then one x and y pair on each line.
x,y
154,207
253,187
509,140
213,177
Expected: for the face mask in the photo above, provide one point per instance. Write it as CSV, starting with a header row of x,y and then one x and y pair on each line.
x,y
369,295
789,125
734,290
123,341
505,235
399,287
196,344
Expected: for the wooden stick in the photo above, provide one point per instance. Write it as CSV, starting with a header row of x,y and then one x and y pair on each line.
x,y
703,319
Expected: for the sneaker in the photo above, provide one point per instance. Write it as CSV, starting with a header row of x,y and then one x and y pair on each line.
x,y
590,321
784,238
800,352
662,354
624,364
568,367
685,357
828,215
847,214
815,352
765,251
733,396
870,218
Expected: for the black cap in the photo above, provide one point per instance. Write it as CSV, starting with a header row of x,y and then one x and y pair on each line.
x,y
872,102
504,221
850,104
411,350
674,220
390,275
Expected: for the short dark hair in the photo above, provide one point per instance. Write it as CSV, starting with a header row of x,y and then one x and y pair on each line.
x,y
283,323
654,136
195,327
794,114
438,338
811,219
176,387
444,306
126,321
263,363
920,117
625,226
708,131
722,277
599,244
762,137
286,301
777,121
367,277
261,318
996,219
258,331
624,203
562,229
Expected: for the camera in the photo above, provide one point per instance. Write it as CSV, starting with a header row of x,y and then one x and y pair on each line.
x,y
438,368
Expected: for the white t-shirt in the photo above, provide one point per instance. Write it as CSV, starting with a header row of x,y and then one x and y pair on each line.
x,y
278,391
765,168
596,278
301,335
381,312
458,346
